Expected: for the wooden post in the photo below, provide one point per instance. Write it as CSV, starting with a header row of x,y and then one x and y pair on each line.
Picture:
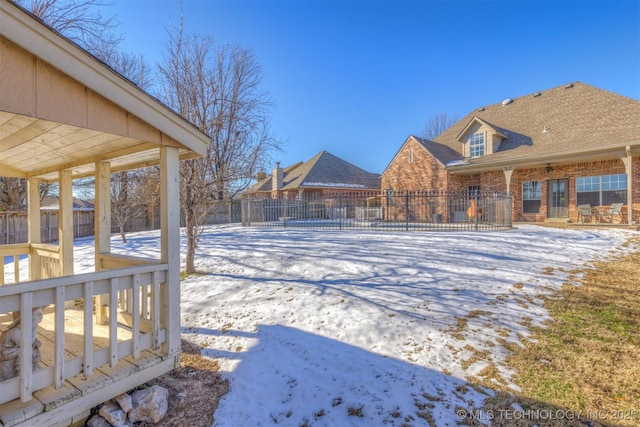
x,y
102,228
65,223
34,234
170,247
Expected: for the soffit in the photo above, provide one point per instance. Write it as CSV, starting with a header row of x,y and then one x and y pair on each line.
x,y
31,147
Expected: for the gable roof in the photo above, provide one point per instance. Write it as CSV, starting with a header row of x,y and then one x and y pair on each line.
x,y
477,120
45,76
324,170
442,153
565,122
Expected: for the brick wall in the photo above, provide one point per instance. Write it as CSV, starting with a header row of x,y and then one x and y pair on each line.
x,y
495,181
426,173
414,168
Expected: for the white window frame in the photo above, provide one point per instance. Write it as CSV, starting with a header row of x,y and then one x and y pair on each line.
x,y
531,190
601,184
476,144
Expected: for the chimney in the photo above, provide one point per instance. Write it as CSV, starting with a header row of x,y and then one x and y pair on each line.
x,y
260,176
277,177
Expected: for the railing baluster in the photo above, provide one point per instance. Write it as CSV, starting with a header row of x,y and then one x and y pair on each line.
x,y
16,268
155,309
88,329
135,315
144,311
58,376
113,322
26,338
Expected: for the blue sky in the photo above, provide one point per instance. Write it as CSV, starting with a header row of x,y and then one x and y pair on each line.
x,y
356,78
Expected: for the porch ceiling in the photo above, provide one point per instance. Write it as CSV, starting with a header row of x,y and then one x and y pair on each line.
x,y
32,147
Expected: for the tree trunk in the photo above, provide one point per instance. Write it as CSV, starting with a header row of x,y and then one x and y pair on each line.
x,y
122,235
191,241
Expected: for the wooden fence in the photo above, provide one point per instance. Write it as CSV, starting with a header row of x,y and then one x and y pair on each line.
x,y
13,225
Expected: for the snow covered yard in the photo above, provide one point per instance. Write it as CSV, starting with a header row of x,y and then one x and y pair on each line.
x,y
331,328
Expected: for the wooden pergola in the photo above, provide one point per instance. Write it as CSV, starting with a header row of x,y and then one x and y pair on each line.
x,y
65,115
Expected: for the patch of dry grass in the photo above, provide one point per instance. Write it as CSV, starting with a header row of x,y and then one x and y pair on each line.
x,y
587,359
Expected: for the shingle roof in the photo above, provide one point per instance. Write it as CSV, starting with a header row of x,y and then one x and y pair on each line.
x,y
441,152
324,170
566,119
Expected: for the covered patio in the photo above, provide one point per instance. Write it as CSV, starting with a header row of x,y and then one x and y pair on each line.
x,y
65,115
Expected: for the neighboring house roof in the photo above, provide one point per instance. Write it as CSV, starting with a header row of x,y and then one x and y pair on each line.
x,y
563,123
324,170
52,203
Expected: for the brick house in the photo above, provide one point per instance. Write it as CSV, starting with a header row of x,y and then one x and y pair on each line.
x,y
322,174
552,150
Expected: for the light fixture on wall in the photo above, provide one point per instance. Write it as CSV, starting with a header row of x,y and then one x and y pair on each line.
x,y
549,167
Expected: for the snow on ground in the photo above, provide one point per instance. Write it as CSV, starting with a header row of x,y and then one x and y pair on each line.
x,y
341,328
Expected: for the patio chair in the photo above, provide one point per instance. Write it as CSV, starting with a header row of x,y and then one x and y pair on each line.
x,y
615,211
584,212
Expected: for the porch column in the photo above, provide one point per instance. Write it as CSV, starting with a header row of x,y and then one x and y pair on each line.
x,y
628,169
65,222
170,246
102,211
102,229
33,206
507,177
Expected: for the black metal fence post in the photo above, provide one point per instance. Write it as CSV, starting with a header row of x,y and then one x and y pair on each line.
x,y
406,210
340,211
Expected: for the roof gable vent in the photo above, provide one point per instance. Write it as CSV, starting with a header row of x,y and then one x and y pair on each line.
x,y
507,101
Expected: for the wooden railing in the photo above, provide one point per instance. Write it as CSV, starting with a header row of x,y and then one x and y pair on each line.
x,y
48,257
146,331
125,298
14,251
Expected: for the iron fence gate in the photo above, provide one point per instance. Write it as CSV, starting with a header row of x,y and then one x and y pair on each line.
x,y
405,210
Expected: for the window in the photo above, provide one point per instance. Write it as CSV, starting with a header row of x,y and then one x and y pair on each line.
x,y
410,156
601,190
531,196
476,145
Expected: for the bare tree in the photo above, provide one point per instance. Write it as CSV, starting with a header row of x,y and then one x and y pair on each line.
x,y
437,124
124,200
148,192
241,136
79,20
13,193
218,91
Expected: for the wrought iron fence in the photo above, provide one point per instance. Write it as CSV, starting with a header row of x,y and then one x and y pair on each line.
x,y
405,210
